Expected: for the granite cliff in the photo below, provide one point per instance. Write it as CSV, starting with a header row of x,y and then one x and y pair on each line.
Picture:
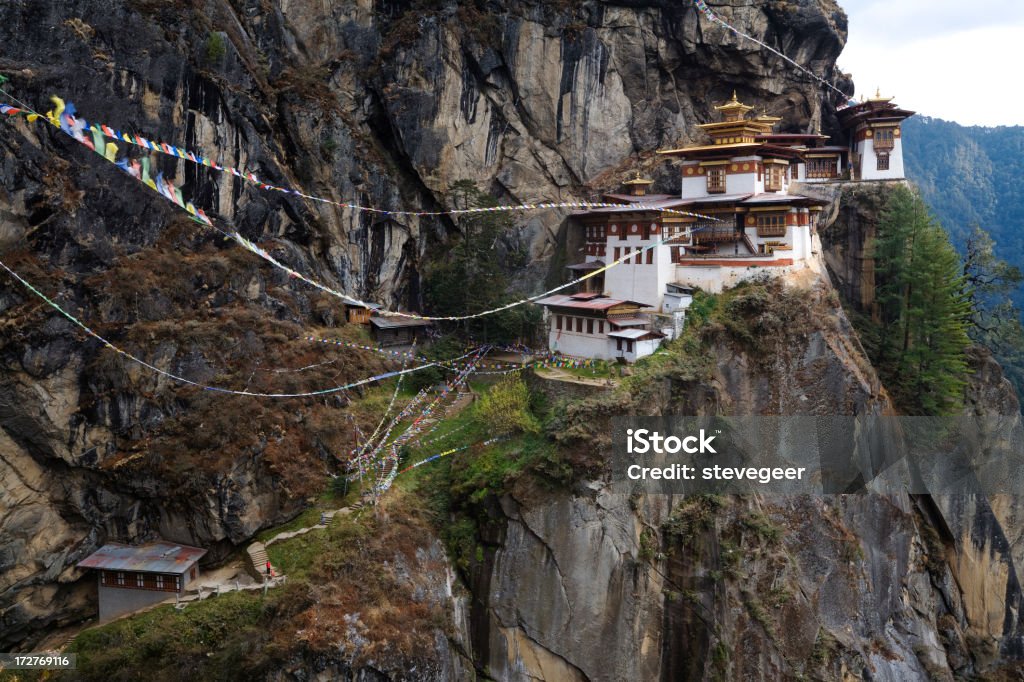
x,y
388,104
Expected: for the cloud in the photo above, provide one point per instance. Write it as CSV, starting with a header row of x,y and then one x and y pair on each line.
x,y
938,57
885,22
959,76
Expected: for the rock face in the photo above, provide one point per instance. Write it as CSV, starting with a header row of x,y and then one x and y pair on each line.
x,y
387,104
601,584
383,104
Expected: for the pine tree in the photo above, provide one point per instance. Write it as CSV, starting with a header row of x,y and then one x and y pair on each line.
x,y
469,277
924,309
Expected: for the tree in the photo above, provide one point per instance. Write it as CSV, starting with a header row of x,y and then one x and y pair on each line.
x,y
924,309
470,276
996,321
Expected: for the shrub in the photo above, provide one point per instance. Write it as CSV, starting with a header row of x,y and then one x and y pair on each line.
x,y
215,48
505,409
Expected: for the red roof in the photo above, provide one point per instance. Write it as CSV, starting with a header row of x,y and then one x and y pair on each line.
x,y
628,321
600,303
154,557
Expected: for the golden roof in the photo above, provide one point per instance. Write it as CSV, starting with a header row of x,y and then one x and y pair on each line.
x,y
710,147
638,180
765,118
878,97
734,105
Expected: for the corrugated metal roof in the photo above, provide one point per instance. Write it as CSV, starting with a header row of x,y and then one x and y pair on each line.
x,y
634,334
639,207
396,322
563,301
772,198
154,557
628,321
592,265
722,198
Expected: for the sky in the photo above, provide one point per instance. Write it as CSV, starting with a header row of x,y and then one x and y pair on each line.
x,y
959,61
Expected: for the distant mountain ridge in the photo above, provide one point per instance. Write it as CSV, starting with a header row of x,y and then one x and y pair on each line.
x,y
971,175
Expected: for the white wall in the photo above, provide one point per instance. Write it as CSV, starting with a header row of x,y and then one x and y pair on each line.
x,y
869,166
714,279
641,349
638,281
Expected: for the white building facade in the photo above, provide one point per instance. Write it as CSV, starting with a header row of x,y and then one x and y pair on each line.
x,y
736,218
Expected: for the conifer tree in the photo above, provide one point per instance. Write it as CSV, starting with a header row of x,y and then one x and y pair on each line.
x,y
924,309
470,277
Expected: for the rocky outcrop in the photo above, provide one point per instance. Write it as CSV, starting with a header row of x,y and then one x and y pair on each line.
x,y
384,104
604,583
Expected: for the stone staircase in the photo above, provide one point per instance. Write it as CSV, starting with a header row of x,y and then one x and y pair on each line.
x,y
258,558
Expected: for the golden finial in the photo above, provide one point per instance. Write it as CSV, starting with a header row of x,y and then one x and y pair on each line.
x,y
878,92
734,98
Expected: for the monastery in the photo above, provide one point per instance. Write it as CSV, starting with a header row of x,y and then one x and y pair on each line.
x,y
753,224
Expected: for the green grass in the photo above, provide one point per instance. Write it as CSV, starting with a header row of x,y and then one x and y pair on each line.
x,y
213,639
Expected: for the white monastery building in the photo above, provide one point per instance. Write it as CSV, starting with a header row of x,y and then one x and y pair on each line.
x,y
753,224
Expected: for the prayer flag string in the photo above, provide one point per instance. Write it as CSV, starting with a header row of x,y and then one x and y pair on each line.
x,y
63,116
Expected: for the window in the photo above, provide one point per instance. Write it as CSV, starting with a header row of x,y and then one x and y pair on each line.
x,y
822,168
617,250
883,139
771,225
600,326
558,322
716,180
120,579
590,326
773,177
140,581
159,581
579,325
192,572
650,256
629,346
882,161
618,344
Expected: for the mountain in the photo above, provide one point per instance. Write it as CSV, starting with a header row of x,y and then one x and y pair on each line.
x,y
971,175
511,560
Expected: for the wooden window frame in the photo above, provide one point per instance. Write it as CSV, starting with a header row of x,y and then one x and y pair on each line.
x,y
590,326
579,325
558,323
773,177
883,139
716,178
882,161
772,225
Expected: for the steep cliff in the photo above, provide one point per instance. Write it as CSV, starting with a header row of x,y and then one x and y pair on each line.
x,y
603,583
382,103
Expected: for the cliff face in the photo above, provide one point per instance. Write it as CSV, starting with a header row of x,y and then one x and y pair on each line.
x,y
603,584
382,103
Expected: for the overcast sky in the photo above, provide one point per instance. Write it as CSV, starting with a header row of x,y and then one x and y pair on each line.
x,y
959,61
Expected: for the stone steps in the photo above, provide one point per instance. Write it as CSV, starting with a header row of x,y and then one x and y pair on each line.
x,y
258,559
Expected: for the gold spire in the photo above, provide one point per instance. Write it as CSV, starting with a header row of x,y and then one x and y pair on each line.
x,y
638,185
733,110
878,96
